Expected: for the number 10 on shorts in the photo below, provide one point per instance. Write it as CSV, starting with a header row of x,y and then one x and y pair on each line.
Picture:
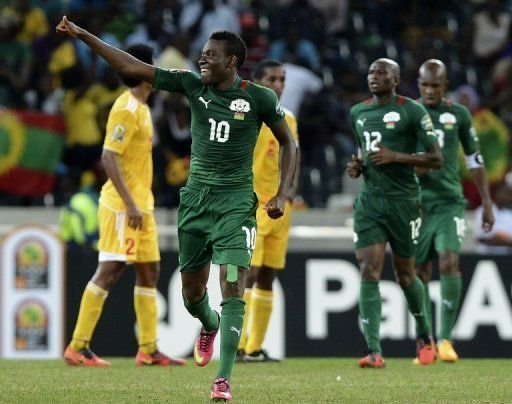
x,y
250,237
415,229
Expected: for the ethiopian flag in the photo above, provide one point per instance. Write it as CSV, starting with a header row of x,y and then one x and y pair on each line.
x,y
31,145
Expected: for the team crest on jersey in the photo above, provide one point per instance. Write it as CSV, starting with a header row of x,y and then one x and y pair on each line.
x,y
240,107
279,108
391,118
448,120
118,132
426,124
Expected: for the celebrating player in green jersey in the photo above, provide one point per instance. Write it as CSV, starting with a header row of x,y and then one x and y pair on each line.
x,y
216,217
388,127
443,205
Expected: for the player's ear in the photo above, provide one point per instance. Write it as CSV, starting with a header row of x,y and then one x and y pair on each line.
x,y
397,80
446,85
232,61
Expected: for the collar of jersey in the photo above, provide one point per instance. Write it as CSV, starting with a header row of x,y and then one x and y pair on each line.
x,y
236,84
391,101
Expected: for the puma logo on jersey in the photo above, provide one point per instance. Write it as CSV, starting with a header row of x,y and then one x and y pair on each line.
x,y
361,122
365,321
235,330
205,102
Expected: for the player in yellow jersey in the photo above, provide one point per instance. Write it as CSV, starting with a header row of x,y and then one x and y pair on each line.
x,y
272,236
128,231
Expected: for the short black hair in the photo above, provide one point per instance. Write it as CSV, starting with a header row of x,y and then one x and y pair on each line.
x,y
235,45
259,70
142,52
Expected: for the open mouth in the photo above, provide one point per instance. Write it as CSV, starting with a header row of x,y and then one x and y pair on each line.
x,y
204,71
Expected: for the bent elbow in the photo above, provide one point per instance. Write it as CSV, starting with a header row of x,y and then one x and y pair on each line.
x,y
438,161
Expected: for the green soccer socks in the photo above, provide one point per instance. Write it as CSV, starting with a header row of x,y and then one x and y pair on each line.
x,y
203,312
416,304
370,312
451,288
232,319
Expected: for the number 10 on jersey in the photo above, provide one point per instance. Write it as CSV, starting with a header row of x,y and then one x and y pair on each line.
x,y
219,131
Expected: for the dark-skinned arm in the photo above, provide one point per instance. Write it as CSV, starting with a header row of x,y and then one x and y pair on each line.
x,y
121,61
281,131
109,161
432,158
480,180
500,239
295,180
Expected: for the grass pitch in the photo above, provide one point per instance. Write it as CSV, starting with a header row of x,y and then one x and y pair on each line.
x,y
294,380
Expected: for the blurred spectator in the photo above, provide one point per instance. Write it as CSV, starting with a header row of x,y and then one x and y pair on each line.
x,y
335,14
294,49
120,17
95,25
173,153
499,240
78,222
256,42
494,139
103,94
84,137
488,36
15,62
299,83
301,15
32,20
51,8
200,18
149,32
174,54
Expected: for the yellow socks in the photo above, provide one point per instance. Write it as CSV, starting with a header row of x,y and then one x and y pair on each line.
x,y
91,307
243,338
146,312
260,308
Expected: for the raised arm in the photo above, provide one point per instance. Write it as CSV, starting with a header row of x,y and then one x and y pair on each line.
x,y
432,158
118,59
281,131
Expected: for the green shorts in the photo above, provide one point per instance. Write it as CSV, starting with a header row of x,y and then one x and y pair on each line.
x,y
443,228
378,220
216,225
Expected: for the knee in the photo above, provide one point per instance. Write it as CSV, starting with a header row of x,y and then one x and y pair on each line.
x,y
424,274
369,271
405,280
449,264
265,278
193,293
148,278
105,277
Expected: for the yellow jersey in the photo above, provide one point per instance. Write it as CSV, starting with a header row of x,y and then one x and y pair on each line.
x,y
130,136
266,160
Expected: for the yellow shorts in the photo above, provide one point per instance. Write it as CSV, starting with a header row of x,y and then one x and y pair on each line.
x,y
271,239
118,242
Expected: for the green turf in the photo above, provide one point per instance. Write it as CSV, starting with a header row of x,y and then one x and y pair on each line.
x,y
294,380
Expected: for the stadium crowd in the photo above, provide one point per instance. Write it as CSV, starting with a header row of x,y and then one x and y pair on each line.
x,y
326,46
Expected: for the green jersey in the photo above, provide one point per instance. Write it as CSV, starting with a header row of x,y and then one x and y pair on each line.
x,y
225,126
452,123
399,125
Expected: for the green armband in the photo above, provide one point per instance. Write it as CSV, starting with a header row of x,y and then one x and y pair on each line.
x,y
232,275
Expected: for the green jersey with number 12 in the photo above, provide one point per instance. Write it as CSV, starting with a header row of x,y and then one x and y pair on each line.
x,y
400,125
225,126
452,123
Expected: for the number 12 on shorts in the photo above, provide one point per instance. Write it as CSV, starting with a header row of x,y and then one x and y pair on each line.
x,y
415,229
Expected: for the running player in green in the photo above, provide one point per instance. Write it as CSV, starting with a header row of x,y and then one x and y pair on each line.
x,y
443,205
216,217
388,128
